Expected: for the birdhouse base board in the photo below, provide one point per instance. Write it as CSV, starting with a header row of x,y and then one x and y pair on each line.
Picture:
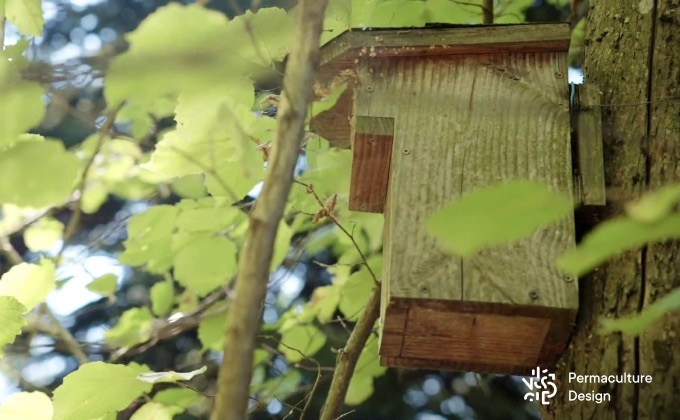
x,y
473,336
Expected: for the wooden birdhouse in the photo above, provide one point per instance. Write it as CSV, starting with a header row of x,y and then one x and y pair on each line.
x,y
431,114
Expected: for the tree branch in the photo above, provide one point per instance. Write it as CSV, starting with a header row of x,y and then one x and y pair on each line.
x,y
348,356
487,8
244,315
73,223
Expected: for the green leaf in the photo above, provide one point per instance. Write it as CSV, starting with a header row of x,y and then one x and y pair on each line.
x,y
613,237
656,205
355,293
390,13
105,285
189,186
337,19
636,324
150,239
205,263
512,12
134,327
325,301
228,181
280,387
162,60
36,173
26,15
11,319
207,219
495,215
300,341
14,53
211,332
95,389
155,411
21,108
44,234
359,390
281,244
162,297
27,405
369,360
171,376
447,11
329,170
268,34
329,101
214,135
29,283
178,397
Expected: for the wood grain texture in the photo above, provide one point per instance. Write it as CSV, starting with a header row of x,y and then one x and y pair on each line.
x,y
371,156
335,124
385,42
468,337
590,154
462,335
462,123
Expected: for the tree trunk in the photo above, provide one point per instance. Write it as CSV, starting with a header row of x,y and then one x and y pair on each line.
x,y
633,55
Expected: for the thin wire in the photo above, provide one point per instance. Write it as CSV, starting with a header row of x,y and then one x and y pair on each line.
x,y
670,98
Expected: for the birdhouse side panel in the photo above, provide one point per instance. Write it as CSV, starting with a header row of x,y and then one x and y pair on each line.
x,y
463,122
425,171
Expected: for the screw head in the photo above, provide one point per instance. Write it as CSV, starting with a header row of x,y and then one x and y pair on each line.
x,y
533,295
369,88
406,151
558,74
424,288
568,279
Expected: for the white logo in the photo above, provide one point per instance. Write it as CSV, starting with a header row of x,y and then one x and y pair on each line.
x,y
542,382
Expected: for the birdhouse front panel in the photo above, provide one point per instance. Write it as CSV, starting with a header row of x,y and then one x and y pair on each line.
x,y
429,125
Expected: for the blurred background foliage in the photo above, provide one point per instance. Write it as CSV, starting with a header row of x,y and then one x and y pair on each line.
x,y
80,38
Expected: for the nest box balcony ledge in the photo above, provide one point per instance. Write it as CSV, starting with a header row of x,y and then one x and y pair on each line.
x,y
431,114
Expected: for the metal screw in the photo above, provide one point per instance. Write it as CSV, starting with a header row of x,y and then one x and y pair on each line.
x,y
558,74
406,151
568,279
363,206
369,88
424,289
533,295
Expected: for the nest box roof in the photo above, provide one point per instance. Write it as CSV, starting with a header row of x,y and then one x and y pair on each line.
x,y
444,40
345,51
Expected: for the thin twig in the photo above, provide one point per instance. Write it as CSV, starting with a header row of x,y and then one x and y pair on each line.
x,y
77,211
2,30
310,190
172,329
65,336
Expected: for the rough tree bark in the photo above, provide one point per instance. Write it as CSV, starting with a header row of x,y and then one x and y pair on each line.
x,y
633,55
231,400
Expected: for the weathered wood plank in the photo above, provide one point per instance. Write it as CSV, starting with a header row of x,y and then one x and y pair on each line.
x,y
463,123
590,153
472,337
555,327
384,42
371,156
335,124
